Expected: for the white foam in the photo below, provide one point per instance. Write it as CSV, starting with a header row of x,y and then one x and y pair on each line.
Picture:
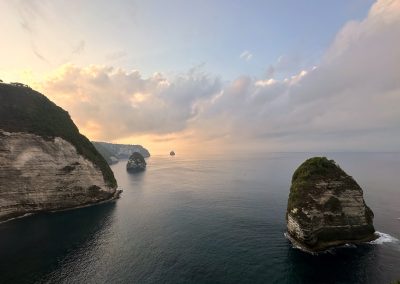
x,y
19,217
384,238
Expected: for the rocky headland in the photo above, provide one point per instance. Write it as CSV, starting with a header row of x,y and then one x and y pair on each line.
x,y
326,207
45,163
112,153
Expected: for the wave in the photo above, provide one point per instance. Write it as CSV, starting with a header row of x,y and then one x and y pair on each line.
x,y
18,217
384,238
295,245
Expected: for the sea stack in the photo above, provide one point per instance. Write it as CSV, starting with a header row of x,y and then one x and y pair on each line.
x,y
136,163
45,163
172,153
326,207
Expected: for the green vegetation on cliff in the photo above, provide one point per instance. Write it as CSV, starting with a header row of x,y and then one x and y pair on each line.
x,y
107,155
316,170
307,174
25,110
136,163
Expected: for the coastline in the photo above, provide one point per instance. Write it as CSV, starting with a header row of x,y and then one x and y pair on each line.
x,y
322,248
113,198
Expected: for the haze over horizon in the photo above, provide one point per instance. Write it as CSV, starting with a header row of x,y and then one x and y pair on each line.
x,y
213,76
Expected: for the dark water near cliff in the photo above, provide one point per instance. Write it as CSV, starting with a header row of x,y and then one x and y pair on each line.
x,y
209,220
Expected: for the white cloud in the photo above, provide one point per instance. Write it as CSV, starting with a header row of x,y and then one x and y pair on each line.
x,y
79,48
246,55
350,102
285,64
111,103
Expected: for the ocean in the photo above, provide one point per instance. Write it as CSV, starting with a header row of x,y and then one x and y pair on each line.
x,y
208,219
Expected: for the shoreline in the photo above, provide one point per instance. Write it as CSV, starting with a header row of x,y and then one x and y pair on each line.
x,y
113,198
329,245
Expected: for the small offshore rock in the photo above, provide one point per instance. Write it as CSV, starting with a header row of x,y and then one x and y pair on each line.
x,y
136,163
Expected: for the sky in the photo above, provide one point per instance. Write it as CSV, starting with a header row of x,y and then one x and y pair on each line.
x,y
214,76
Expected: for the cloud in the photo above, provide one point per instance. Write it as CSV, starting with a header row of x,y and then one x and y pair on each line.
x,y
349,102
32,14
79,48
29,12
111,103
116,55
37,53
246,55
284,64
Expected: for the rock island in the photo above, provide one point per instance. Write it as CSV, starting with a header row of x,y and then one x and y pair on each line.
x,y
326,207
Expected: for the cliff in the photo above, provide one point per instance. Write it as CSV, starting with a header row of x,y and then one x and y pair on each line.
x,y
45,163
326,207
113,152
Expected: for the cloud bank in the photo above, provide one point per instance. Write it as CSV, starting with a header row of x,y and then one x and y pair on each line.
x,y
112,103
349,102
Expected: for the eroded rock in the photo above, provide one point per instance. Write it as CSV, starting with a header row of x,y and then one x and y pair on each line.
x,y
136,163
326,207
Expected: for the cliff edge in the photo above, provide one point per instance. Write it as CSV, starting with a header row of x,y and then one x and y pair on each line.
x,y
45,163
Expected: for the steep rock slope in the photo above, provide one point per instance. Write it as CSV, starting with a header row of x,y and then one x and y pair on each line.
x,y
326,207
45,163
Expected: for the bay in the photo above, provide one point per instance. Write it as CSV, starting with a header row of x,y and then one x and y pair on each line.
x,y
204,219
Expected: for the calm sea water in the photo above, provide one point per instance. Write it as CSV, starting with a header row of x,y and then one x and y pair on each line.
x,y
218,219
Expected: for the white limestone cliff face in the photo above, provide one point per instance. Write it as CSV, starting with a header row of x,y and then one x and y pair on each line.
x,y
45,175
350,217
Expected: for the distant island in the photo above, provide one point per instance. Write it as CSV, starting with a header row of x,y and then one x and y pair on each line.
x,y
326,207
45,163
112,153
